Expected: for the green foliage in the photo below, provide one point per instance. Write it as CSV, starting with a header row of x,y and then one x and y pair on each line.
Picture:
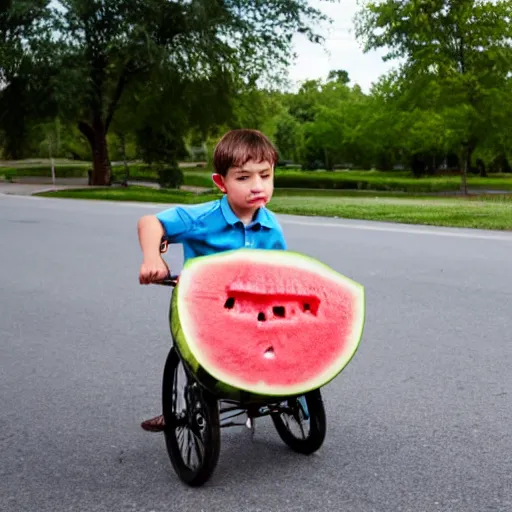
x,y
189,58
457,56
170,177
162,81
160,144
88,63
25,73
289,138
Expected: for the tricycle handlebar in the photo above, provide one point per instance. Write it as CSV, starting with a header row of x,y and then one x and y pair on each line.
x,y
170,280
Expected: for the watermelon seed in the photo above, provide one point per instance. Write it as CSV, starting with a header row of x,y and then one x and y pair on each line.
x,y
279,311
229,303
307,307
261,317
269,353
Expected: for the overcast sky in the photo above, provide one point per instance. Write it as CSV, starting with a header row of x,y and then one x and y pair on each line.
x,y
340,50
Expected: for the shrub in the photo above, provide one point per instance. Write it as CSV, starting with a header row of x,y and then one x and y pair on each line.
x,y
170,177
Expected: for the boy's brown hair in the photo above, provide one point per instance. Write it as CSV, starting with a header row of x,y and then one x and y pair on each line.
x,y
239,146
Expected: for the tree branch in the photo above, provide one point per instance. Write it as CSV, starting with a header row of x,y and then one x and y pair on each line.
x,y
121,83
87,131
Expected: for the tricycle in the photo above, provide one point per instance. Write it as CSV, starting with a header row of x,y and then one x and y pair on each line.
x,y
194,416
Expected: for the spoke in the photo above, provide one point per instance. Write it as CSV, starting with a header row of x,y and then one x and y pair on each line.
x,y
189,450
189,420
294,416
302,429
181,438
285,420
199,445
175,391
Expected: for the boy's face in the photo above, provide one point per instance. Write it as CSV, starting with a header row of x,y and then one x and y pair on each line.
x,y
248,187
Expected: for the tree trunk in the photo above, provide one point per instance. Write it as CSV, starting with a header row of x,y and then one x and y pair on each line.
x,y
126,168
97,137
464,177
101,170
466,164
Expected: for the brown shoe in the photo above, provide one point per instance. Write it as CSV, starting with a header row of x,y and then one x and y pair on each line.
x,y
156,424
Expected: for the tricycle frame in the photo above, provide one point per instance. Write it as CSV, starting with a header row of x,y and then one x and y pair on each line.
x,y
203,417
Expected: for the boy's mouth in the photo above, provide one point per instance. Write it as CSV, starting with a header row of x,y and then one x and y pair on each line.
x,y
257,199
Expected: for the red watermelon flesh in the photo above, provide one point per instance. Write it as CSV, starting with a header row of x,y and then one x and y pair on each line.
x,y
269,322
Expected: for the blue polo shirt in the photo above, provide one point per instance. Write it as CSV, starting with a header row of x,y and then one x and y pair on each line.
x,y
213,227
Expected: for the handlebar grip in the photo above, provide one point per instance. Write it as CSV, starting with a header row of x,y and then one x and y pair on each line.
x,y
170,280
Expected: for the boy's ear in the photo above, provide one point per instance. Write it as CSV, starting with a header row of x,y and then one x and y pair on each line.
x,y
218,179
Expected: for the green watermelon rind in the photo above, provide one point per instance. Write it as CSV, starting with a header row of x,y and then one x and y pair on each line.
x,y
220,389
225,386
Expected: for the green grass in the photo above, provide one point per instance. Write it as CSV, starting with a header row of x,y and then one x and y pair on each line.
x,y
138,194
489,212
42,162
376,180
483,214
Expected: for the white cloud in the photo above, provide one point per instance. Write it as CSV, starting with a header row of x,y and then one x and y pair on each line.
x,y
339,51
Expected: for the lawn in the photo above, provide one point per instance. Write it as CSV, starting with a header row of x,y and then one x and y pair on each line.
x,y
487,212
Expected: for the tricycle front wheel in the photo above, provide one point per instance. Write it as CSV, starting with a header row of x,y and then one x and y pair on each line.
x,y
192,432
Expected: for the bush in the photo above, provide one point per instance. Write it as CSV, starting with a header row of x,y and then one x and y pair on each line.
x,y
136,172
170,177
500,164
361,181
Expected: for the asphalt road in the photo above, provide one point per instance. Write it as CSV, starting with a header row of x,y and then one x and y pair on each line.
x,y
420,420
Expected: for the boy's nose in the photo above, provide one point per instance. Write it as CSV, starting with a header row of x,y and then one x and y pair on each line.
x,y
257,185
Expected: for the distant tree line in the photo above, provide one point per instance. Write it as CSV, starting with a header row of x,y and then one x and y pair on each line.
x,y
160,81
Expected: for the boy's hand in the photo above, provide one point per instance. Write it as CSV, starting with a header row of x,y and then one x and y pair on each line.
x,y
153,270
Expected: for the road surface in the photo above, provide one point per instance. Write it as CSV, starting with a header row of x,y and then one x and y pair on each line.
x,y
420,420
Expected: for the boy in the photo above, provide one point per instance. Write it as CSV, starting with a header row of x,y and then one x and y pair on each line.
x,y
244,162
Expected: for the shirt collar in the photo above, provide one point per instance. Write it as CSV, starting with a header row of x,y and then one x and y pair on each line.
x,y
262,217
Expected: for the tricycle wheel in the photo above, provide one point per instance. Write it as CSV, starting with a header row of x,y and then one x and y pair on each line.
x,y
308,408
192,432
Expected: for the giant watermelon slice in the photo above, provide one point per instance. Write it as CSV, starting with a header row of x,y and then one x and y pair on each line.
x,y
265,323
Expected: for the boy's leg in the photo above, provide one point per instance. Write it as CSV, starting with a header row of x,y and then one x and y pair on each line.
x,y
303,403
156,424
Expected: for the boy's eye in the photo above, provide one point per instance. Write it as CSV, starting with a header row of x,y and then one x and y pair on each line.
x,y
242,178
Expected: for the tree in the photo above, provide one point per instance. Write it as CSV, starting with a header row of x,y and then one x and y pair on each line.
x,y
330,115
463,46
289,138
338,75
24,74
111,45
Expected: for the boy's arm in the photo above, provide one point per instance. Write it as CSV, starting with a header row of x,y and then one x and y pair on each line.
x,y
153,266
